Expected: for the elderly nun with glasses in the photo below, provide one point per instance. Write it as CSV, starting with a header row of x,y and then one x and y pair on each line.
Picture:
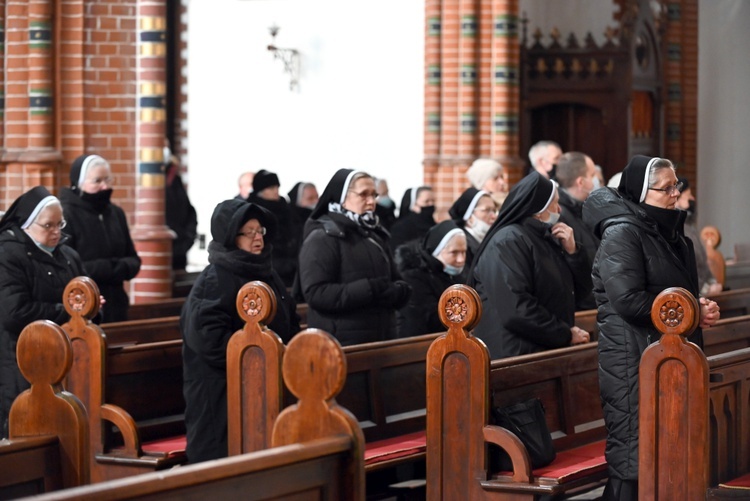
x,y
347,274
35,268
643,251
239,253
98,230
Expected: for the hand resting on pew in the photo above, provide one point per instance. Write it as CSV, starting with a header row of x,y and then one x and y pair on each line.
x,y
578,336
710,312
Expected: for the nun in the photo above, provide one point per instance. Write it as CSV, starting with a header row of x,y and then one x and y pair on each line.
x,y
419,219
643,251
35,268
528,272
347,274
237,254
99,231
429,267
474,211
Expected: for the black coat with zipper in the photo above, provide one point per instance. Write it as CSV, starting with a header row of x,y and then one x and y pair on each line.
x,y
102,239
529,286
345,269
633,265
32,283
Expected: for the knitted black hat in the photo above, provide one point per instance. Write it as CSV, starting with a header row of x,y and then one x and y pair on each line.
x,y
264,179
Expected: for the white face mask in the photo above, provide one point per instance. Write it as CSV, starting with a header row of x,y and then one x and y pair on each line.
x,y
554,217
480,229
597,184
452,270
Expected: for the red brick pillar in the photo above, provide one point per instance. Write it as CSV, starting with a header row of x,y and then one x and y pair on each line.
x,y
471,90
153,240
2,82
681,85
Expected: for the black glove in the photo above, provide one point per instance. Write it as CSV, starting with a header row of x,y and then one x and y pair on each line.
x,y
397,294
120,271
378,287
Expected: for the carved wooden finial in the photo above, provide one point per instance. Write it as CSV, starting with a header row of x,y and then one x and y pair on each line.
x,y
460,306
256,303
537,38
711,238
46,366
555,36
675,311
81,298
572,41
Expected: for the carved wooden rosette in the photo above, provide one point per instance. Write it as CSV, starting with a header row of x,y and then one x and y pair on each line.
x,y
460,307
256,303
81,298
676,312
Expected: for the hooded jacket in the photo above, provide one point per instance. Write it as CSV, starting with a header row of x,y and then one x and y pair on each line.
x,y
31,288
347,274
635,262
527,282
209,318
99,232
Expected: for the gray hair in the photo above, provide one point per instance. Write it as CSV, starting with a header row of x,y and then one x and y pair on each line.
x,y
659,165
539,148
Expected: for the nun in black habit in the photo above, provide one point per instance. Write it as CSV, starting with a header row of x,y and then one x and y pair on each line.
x,y
99,231
347,274
430,267
474,211
643,251
528,272
35,268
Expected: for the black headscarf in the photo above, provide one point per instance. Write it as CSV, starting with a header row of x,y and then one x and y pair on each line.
x,y
530,196
437,236
230,215
80,166
634,181
23,207
406,203
335,192
294,193
467,202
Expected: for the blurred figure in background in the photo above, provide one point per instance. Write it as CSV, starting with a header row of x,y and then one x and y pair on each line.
x,y
245,184
180,214
418,221
488,175
386,207
474,211
543,157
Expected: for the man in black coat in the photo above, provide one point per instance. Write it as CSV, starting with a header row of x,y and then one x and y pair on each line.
x,y
285,242
576,174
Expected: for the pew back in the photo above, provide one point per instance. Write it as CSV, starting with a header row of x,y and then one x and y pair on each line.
x,y
317,444
48,447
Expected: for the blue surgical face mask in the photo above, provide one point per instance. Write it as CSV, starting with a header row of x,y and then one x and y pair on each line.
x,y
45,247
452,270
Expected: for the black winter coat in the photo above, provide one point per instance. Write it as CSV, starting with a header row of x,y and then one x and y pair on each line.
x,y
634,264
428,282
528,285
572,215
344,270
286,240
209,318
103,241
31,288
413,226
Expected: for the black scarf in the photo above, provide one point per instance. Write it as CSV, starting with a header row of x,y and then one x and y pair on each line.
x,y
99,200
242,263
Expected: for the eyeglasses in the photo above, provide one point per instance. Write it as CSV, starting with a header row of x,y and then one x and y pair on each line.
x,y
251,233
52,226
100,180
364,195
670,190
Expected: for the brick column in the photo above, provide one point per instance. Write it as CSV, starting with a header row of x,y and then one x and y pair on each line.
x,y
471,90
153,240
681,85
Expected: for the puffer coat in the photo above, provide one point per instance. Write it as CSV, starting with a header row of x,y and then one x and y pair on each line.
x,y
633,265
31,288
344,271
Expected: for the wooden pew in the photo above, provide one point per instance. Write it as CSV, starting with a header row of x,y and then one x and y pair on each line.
x,y
460,378
48,431
317,452
163,308
694,412
733,303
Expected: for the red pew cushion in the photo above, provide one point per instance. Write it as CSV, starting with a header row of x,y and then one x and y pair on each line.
x,y
742,482
170,447
396,447
571,464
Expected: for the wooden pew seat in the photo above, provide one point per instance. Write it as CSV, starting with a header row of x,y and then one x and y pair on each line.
x,y
411,446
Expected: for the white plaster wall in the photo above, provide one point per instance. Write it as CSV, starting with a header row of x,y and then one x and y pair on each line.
x,y
724,119
359,105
